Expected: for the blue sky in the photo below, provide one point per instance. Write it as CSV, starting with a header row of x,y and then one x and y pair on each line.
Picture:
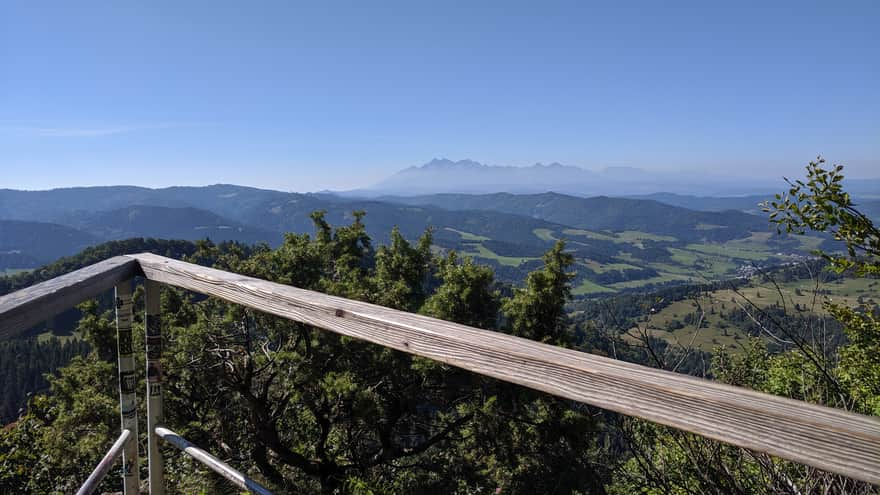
x,y
337,95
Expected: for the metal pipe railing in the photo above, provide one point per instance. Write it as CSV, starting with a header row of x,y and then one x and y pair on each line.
x,y
215,464
104,466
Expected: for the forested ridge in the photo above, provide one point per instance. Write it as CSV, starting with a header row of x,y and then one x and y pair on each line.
x,y
92,255
620,246
307,411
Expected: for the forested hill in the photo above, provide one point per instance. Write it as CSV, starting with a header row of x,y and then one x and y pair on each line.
x,y
94,254
28,244
604,213
277,211
382,217
185,223
748,204
56,204
619,244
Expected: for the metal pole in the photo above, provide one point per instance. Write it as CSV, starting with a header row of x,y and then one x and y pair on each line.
x,y
216,465
127,386
153,325
106,463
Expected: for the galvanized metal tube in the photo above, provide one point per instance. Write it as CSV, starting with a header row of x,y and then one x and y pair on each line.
x,y
153,323
216,465
127,387
104,466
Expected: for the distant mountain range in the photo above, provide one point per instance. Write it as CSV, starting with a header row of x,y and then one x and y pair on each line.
x,y
58,204
442,175
620,244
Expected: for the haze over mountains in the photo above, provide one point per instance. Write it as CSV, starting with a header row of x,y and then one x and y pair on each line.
x,y
620,243
442,175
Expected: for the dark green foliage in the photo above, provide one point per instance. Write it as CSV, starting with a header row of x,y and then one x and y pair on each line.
x,y
91,255
537,311
466,294
23,364
402,272
54,447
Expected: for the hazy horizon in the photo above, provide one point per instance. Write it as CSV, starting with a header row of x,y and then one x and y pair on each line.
x,y
306,98
773,183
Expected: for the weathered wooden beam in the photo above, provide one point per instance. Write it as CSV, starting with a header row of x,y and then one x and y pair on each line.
x,y
826,438
25,308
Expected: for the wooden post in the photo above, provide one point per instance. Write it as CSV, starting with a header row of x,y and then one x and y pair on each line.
x,y
153,325
127,387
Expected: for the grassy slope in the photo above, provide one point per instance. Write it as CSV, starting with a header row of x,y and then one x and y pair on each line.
x,y
480,251
587,287
720,332
682,262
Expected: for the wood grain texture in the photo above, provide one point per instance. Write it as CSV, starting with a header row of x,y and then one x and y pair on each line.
x,y
826,438
25,308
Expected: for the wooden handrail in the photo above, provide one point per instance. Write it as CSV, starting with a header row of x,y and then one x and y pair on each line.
x,y
830,439
27,307
826,438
